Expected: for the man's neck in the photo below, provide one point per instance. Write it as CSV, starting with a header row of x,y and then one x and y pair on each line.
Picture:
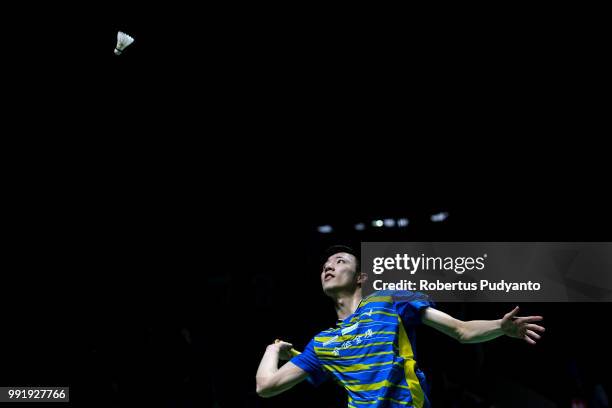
x,y
347,303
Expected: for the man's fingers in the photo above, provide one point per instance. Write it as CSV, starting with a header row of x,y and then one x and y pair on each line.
x,y
529,319
535,327
533,335
283,343
529,340
513,312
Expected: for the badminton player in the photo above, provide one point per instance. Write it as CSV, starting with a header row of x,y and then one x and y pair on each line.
x,y
370,351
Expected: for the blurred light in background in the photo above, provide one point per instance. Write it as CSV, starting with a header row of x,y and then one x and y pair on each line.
x,y
377,223
403,222
389,222
325,229
439,217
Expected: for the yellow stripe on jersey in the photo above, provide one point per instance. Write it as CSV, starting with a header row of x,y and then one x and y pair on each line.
x,y
340,339
383,313
375,386
354,318
372,299
358,367
341,358
408,404
405,348
323,349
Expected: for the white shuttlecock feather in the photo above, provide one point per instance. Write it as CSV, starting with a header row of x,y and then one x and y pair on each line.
x,y
123,41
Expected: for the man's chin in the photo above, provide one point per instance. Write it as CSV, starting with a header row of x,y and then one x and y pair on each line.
x,y
330,290
327,289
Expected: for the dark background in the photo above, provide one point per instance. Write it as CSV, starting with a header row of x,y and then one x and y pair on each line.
x,y
162,205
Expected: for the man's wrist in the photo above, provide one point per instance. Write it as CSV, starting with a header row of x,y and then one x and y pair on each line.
x,y
499,327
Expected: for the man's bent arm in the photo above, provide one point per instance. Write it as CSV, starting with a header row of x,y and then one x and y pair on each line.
x,y
270,379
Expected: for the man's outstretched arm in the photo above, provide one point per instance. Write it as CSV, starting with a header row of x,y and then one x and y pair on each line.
x,y
478,331
270,379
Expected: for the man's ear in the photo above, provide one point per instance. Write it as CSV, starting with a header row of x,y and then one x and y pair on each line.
x,y
362,277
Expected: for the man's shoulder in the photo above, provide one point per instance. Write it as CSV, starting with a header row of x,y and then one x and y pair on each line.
x,y
390,296
378,296
394,296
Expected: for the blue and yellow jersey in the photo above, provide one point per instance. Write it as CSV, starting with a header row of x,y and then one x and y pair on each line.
x,y
371,353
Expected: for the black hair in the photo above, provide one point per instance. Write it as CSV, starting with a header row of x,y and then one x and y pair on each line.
x,y
334,249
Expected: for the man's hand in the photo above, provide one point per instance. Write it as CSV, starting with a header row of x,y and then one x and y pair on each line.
x,y
284,349
522,327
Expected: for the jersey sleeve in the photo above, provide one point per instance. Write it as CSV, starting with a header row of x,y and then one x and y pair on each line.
x,y
309,362
409,305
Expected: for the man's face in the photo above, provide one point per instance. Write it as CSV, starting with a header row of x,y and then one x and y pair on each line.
x,y
339,273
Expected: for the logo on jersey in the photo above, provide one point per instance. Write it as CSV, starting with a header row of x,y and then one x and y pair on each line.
x,y
350,328
357,340
330,341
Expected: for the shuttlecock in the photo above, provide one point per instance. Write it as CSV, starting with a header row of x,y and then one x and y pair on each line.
x,y
123,41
